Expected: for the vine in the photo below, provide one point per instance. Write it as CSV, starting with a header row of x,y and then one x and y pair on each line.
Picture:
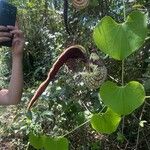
x,y
82,124
123,63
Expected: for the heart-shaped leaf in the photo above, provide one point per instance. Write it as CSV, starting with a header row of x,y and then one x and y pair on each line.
x,y
40,142
122,100
106,122
55,143
121,40
36,141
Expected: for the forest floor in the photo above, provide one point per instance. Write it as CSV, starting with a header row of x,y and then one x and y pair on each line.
x,y
135,137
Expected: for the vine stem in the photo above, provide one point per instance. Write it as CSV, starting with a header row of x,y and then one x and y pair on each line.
x,y
81,124
122,80
147,97
76,128
122,76
124,10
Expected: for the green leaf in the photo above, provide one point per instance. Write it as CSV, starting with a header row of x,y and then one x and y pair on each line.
x,y
106,122
55,143
120,137
40,142
35,141
121,40
124,99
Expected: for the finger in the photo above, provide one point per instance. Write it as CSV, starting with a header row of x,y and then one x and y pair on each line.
x,y
3,28
11,27
17,41
5,34
19,32
17,25
3,39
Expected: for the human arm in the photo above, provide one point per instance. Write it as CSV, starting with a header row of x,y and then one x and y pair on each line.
x,y
13,94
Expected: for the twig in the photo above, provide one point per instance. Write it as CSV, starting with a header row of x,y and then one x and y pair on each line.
x,y
84,105
28,144
122,125
138,135
113,78
140,141
126,144
147,143
147,103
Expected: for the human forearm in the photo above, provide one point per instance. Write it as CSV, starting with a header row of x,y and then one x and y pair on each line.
x,y
16,81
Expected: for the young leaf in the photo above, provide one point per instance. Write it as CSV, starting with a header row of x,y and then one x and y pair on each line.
x,y
106,122
120,137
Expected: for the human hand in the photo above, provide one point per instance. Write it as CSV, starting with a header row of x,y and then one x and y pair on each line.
x,y
18,40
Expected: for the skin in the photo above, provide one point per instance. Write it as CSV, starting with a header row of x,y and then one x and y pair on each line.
x,y
12,95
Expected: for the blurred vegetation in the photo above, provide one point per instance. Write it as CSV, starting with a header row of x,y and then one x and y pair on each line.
x,y
66,103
